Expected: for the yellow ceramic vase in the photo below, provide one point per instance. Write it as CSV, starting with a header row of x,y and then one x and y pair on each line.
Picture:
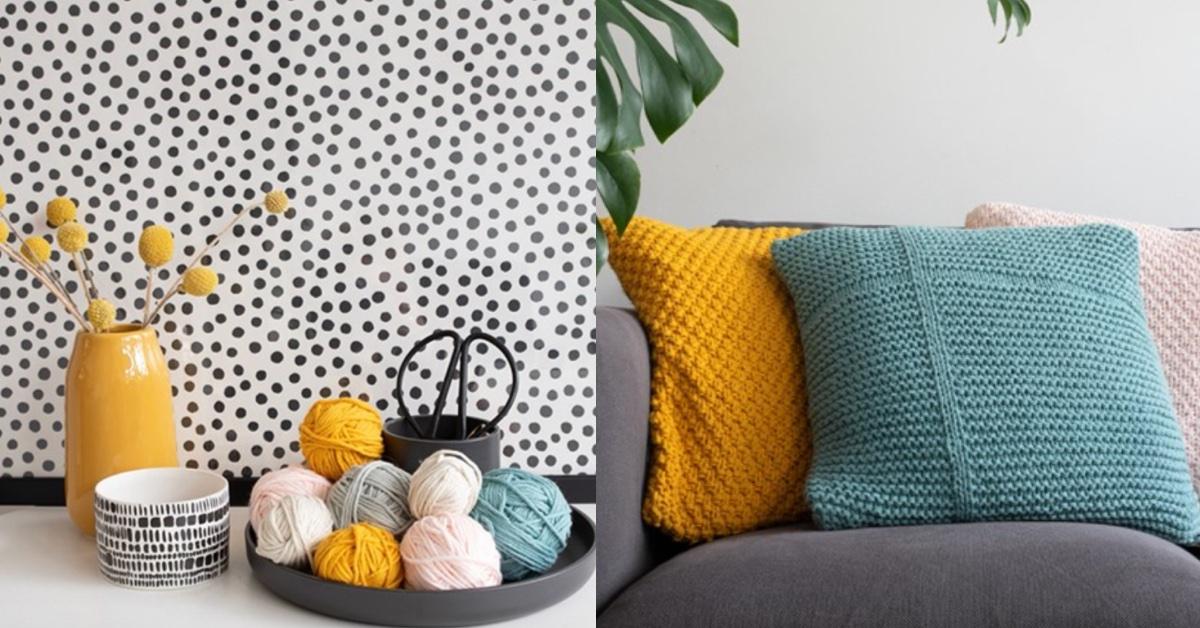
x,y
118,412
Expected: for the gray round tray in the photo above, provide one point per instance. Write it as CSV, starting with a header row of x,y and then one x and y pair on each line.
x,y
399,607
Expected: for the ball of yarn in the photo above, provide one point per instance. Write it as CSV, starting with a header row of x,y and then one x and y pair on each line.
x,y
445,552
276,485
363,554
340,433
529,518
446,483
375,492
292,529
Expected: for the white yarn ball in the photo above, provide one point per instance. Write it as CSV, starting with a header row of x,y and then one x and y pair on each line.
x,y
446,483
292,528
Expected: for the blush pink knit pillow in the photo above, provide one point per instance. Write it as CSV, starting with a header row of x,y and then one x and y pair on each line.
x,y
1170,267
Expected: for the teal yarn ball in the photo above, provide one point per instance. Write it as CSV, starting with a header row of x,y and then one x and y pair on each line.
x,y
375,492
527,516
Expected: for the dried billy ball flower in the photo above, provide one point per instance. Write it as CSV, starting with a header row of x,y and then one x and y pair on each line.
x,y
101,314
60,211
276,201
72,237
36,250
3,197
156,246
199,281
3,228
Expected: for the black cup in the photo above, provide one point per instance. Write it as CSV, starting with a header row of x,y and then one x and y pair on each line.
x,y
407,450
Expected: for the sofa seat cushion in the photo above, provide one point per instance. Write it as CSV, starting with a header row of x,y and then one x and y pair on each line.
x,y
974,574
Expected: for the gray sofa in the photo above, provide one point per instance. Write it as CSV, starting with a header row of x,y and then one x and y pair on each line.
x,y
963,575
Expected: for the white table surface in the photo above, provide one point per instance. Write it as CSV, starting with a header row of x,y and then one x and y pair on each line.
x,y
49,577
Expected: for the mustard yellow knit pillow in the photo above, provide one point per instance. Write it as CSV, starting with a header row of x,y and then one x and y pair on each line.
x,y
727,424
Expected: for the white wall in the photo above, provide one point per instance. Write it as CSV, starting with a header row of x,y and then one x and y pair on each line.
x,y
909,112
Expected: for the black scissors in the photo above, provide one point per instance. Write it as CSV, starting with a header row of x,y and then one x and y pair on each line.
x,y
459,359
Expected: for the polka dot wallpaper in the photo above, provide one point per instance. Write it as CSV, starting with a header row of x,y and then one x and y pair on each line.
x,y
437,155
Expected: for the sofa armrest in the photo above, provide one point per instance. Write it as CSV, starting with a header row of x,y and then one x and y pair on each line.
x,y
622,417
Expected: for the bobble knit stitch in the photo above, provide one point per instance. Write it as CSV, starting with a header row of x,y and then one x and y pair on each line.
x,y
729,436
1170,275
983,375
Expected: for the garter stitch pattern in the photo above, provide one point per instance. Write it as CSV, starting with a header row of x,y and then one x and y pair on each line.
x,y
1170,272
984,375
729,437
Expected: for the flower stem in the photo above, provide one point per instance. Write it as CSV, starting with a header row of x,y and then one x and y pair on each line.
x,y
161,303
149,293
93,292
29,268
82,278
196,260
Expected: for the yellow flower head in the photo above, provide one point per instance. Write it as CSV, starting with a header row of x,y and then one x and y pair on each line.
x,y
3,226
101,314
60,211
72,237
199,281
156,246
3,197
276,201
36,250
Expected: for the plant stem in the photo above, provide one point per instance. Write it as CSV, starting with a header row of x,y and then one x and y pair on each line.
x,y
196,259
82,278
29,268
57,280
93,292
161,303
149,293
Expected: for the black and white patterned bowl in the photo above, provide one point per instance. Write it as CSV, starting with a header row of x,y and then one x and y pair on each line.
x,y
163,528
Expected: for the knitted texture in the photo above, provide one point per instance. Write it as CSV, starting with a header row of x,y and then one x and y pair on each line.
x,y
996,374
729,437
1170,274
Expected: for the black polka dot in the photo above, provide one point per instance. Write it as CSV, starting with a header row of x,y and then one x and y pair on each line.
x,y
438,158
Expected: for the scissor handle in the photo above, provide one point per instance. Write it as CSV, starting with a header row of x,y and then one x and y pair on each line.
x,y
441,400
462,384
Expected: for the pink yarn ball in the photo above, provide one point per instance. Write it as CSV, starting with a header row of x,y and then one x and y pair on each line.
x,y
446,552
276,485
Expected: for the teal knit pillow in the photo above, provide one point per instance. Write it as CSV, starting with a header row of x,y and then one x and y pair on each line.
x,y
983,375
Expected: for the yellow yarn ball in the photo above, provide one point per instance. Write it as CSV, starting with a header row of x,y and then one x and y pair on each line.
x,y
340,433
101,314
363,555
36,250
156,245
199,281
276,201
72,237
60,211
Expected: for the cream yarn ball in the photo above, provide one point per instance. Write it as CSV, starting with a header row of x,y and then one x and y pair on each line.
x,y
449,552
292,529
446,483
274,486
375,492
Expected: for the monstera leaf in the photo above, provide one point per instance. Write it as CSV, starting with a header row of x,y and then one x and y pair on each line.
x,y
668,86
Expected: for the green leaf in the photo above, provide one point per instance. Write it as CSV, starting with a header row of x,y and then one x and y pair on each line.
x,y
606,109
601,248
1019,11
666,94
699,65
718,14
620,184
1014,10
628,132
